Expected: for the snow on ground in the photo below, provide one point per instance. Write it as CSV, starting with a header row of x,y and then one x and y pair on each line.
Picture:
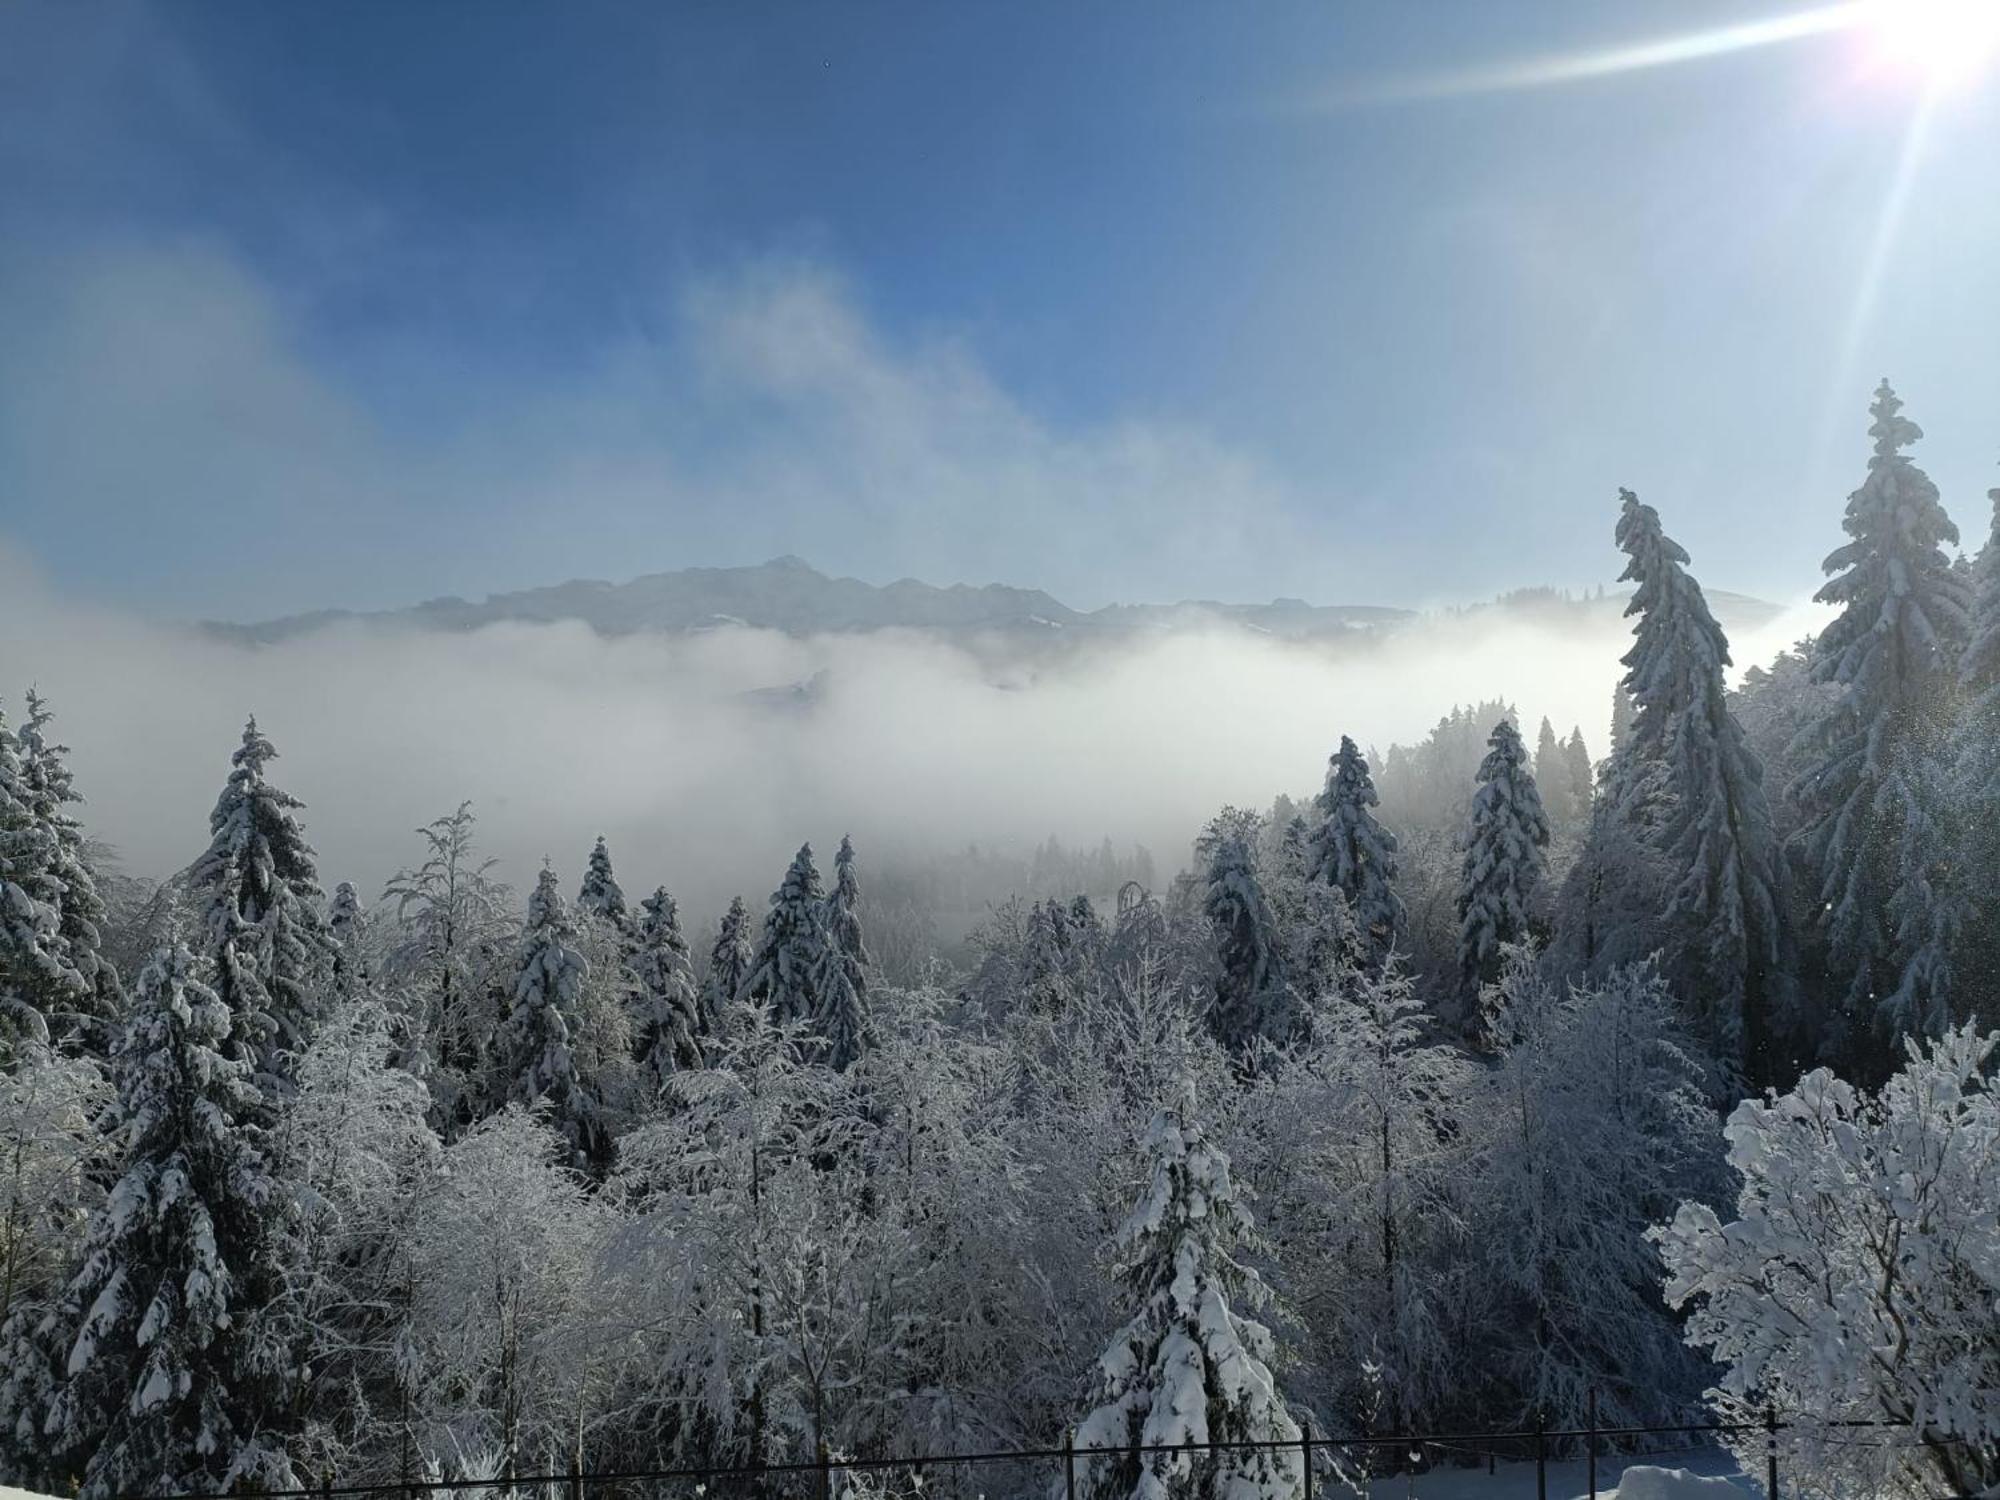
x,y
7,1493
1707,1474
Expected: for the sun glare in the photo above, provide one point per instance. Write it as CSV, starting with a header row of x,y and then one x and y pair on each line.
x,y
1947,42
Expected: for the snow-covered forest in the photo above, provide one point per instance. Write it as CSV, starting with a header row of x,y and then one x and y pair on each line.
x,y
1466,1090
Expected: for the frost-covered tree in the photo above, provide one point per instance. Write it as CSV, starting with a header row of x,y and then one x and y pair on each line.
x,y
841,986
1355,854
88,1007
1975,787
174,1369
1725,907
729,966
533,1061
667,1025
262,927
347,927
455,928
36,977
601,898
51,1156
1858,1275
1870,835
1251,1001
787,960
1189,1368
1552,776
1580,774
1597,1123
1499,893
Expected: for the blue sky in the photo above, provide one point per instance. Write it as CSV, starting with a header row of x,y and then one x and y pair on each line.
x,y
357,303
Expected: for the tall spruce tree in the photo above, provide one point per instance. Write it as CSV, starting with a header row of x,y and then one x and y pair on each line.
x,y
50,790
1870,835
534,1064
667,1031
175,1368
841,985
787,962
1189,1376
1552,777
37,980
1499,893
729,965
1579,773
1975,756
601,898
1720,851
1250,1002
262,926
1355,854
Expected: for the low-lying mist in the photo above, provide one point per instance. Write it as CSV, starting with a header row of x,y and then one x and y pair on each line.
x,y
664,745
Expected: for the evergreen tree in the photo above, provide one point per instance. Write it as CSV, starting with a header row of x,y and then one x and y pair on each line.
x,y
1552,776
1717,838
1499,885
729,966
174,1367
37,981
262,928
1188,1370
787,960
667,1027
1975,758
534,1063
841,985
1870,836
347,928
1250,996
601,898
1355,854
88,1013
1577,771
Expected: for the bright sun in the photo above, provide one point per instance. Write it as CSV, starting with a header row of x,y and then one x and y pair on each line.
x,y
1946,41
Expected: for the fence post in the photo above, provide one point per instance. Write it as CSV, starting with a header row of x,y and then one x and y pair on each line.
x,y
1541,1454
1306,1457
1592,1441
1069,1463
1771,1453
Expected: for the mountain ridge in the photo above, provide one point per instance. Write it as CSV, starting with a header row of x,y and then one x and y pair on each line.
x,y
789,595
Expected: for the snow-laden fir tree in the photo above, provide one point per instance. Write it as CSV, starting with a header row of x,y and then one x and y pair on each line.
x,y
36,978
1190,1368
1720,851
174,1369
1580,774
787,960
1354,853
729,966
347,927
532,1058
1975,770
601,898
1871,836
841,985
1552,776
667,1026
70,885
1499,892
1251,1003
262,927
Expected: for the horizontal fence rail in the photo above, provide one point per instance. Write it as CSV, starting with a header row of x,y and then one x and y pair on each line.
x,y
1539,1444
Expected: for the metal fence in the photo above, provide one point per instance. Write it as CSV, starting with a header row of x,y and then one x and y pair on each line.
x,y
1327,1464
